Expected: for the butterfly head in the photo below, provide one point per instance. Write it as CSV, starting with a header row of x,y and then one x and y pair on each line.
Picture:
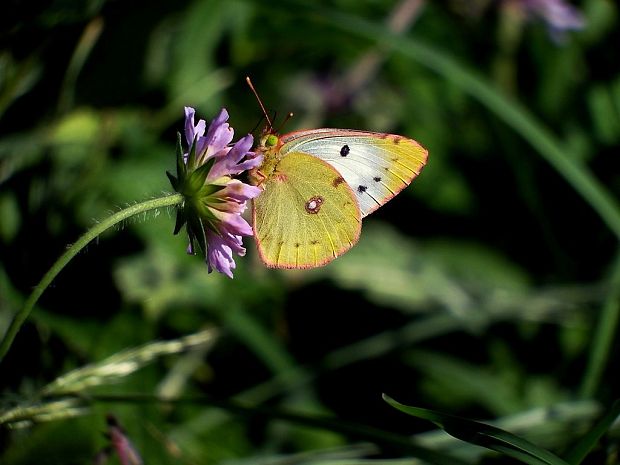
x,y
270,140
268,146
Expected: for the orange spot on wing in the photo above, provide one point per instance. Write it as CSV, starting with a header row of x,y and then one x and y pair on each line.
x,y
337,181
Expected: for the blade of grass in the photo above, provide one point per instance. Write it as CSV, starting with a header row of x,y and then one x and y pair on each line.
x,y
249,330
483,435
510,111
604,335
82,51
391,441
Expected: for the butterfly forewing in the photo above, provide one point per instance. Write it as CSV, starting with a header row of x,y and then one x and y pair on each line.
x,y
376,166
307,214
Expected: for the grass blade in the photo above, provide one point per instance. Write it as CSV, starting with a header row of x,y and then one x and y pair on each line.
x,y
507,109
603,337
483,435
587,443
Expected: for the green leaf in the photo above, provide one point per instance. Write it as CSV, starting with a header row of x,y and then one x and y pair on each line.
x,y
587,443
483,435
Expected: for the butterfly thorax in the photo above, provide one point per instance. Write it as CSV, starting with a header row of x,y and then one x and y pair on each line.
x,y
269,147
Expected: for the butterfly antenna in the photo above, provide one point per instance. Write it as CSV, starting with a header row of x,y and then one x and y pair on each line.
x,y
260,102
289,116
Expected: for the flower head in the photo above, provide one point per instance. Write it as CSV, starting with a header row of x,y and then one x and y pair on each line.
x,y
214,199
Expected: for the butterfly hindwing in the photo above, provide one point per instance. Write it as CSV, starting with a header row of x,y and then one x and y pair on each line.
x,y
376,166
307,214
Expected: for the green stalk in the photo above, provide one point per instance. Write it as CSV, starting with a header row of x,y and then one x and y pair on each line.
x,y
507,109
603,338
83,241
401,443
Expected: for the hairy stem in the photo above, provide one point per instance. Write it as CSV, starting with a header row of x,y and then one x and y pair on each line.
x,y
21,316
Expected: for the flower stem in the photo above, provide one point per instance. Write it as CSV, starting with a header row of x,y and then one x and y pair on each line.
x,y
83,241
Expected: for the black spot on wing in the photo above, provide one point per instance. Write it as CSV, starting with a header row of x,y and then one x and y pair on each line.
x,y
344,151
361,188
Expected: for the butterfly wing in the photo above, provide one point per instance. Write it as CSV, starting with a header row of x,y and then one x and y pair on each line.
x,y
306,216
376,166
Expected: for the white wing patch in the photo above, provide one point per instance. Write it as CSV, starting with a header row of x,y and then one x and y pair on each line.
x,y
377,166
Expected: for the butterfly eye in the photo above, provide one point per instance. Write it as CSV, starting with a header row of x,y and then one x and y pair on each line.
x,y
272,140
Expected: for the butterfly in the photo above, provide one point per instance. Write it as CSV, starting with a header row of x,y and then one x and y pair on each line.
x,y
318,184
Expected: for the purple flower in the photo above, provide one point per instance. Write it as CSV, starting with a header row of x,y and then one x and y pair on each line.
x,y
559,16
214,199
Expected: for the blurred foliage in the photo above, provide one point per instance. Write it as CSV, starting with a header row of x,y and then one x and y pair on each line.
x,y
488,289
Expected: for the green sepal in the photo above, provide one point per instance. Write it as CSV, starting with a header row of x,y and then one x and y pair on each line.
x,y
181,166
200,209
191,158
209,189
197,178
173,180
192,246
180,220
198,232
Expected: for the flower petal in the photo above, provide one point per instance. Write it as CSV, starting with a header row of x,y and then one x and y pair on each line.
x,y
559,16
237,226
229,163
219,254
240,191
192,131
219,134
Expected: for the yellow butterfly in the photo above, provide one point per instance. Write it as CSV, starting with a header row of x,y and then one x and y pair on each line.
x,y
318,184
